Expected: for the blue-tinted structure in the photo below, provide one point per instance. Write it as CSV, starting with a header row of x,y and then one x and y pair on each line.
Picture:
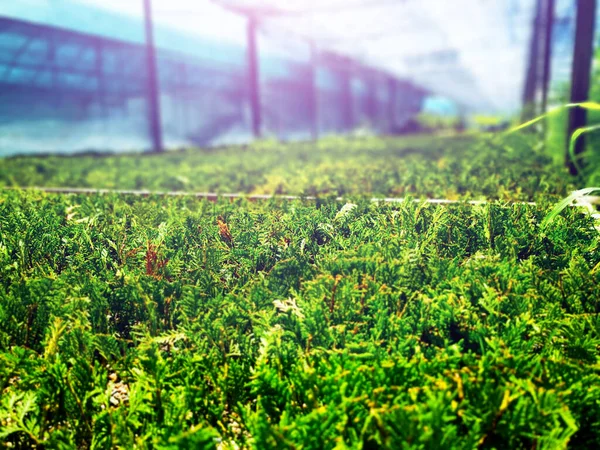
x,y
75,78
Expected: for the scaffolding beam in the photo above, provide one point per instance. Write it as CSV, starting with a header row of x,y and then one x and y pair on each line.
x,y
347,102
99,67
253,77
549,13
371,100
313,94
152,86
537,81
583,54
529,93
392,102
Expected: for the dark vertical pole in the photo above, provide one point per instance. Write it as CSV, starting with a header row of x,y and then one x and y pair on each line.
x,y
372,99
347,101
253,78
54,67
152,88
52,60
313,94
531,79
100,76
121,93
581,72
186,93
548,28
392,102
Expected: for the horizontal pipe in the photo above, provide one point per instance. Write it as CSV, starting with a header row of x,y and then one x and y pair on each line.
x,y
213,197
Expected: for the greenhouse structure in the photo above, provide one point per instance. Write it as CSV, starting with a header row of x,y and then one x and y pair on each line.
x,y
310,224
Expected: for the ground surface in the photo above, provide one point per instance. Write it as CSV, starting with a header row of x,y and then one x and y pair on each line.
x,y
176,323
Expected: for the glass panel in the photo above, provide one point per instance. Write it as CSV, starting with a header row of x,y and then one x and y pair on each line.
x,y
72,77
286,83
201,53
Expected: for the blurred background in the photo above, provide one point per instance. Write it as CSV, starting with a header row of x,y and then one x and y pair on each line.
x,y
133,75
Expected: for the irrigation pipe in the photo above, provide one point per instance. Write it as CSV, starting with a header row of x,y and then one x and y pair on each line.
x,y
213,197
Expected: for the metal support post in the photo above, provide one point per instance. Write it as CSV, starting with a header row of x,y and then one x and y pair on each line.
x,y
392,103
347,100
152,88
313,94
581,73
548,28
253,77
532,76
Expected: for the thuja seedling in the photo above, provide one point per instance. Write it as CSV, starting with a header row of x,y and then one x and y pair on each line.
x,y
301,324
461,322
508,167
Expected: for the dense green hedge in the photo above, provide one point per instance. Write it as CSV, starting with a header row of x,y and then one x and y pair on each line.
x,y
493,167
177,323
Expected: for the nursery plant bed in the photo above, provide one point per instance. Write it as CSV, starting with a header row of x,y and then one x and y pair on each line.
x,y
508,168
172,321
213,196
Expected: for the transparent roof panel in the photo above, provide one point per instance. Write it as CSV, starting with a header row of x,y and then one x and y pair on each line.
x,y
471,51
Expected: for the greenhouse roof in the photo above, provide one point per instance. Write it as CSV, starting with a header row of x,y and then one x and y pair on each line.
x,y
471,51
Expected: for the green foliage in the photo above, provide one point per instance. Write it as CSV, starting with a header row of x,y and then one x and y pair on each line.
x,y
557,138
169,322
130,322
438,122
487,120
573,141
491,167
576,196
588,106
